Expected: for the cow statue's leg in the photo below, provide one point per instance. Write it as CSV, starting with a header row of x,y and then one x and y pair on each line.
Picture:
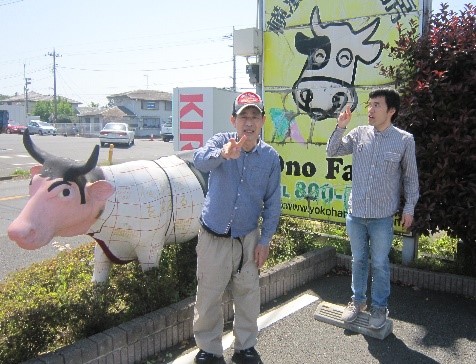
x,y
148,255
102,265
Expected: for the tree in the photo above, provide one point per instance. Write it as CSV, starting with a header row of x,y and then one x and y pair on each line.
x,y
65,111
64,107
44,109
436,77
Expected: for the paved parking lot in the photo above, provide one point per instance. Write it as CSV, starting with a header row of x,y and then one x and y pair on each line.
x,y
429,327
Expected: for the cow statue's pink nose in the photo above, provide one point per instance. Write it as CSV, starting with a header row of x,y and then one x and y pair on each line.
x,y
24,235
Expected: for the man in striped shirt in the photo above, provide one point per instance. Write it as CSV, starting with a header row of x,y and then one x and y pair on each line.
x,y
383,162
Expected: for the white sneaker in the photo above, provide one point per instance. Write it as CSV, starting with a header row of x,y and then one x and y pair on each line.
x,y
352,311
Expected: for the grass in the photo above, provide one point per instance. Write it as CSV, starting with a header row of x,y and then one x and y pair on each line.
x,y
53,303
23,173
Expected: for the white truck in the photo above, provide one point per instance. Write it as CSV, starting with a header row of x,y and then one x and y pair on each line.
x,y
167,131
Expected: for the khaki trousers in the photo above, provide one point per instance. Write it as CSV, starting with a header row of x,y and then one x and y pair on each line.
x,y
217,263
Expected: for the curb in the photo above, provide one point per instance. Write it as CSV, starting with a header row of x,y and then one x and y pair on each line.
x,y
439,282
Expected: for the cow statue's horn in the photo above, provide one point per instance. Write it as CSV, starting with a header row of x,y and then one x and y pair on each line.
x,y
73,170
37,154
88,166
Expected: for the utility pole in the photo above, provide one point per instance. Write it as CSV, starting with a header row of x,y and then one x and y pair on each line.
x,y
230,36
147,78
234,73
27,82
260,26
54,55
234,64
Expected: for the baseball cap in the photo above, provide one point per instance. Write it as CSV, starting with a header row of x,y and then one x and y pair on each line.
x,y
247,99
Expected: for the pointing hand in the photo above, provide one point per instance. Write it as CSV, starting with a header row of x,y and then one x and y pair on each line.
x,y
344,118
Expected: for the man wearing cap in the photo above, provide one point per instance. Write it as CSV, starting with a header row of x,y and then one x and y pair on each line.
x,y
239,217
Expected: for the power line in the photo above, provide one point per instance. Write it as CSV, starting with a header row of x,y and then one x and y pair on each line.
x,y
146,70
11,2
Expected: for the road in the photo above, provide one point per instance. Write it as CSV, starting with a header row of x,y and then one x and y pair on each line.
x,y
14,192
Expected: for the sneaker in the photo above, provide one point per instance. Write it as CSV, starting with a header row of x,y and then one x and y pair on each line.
x,y
378,317
207,358
247,356
352,311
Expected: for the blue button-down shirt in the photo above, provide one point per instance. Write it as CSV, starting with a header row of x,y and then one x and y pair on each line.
x,y
382,163
242,190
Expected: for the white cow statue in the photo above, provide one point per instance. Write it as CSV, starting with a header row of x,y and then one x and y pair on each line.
x,y
131,209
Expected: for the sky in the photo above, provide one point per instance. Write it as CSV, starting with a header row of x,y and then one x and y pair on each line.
x,y
105,47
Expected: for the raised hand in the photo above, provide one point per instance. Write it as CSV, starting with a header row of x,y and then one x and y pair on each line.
x,y
344,118
232,149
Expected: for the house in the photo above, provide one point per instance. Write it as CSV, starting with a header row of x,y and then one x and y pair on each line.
x,y
20,110
144,110
33,98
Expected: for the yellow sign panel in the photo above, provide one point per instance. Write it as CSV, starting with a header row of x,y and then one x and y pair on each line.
x,y
319,57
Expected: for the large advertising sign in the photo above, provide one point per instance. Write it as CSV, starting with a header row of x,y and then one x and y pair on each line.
x,y
198,113
319,57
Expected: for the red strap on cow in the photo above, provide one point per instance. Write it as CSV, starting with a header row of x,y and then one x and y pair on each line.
x,y
108,252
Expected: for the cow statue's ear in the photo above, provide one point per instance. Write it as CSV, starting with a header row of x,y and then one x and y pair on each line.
x,y
35,170
100,190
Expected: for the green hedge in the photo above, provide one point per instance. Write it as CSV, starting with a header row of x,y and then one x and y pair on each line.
x,y
54,303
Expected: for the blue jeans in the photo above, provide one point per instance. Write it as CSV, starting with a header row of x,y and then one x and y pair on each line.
x,y
370,237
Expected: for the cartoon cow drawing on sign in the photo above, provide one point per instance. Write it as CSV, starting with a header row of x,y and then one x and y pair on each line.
x,y
326,83
130,209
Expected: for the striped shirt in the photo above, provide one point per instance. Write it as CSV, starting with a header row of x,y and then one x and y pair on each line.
x,y
382,164
242,190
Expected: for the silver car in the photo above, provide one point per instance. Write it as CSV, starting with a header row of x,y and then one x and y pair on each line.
x,y
41,128
116,133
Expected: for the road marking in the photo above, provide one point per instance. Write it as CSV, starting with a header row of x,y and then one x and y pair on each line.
x,y
12,156
13,197
264,321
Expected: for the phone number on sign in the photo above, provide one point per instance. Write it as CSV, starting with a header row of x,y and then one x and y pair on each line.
x,y
315,192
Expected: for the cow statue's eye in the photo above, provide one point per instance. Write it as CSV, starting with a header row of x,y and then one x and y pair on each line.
x,y
344,57
65,192
61,189
318,57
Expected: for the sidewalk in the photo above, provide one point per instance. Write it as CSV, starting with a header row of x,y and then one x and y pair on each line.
x,y
429,327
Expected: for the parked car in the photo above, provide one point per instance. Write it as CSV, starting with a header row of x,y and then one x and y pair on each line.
x,y
14,128
167,132
116,133
41,128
